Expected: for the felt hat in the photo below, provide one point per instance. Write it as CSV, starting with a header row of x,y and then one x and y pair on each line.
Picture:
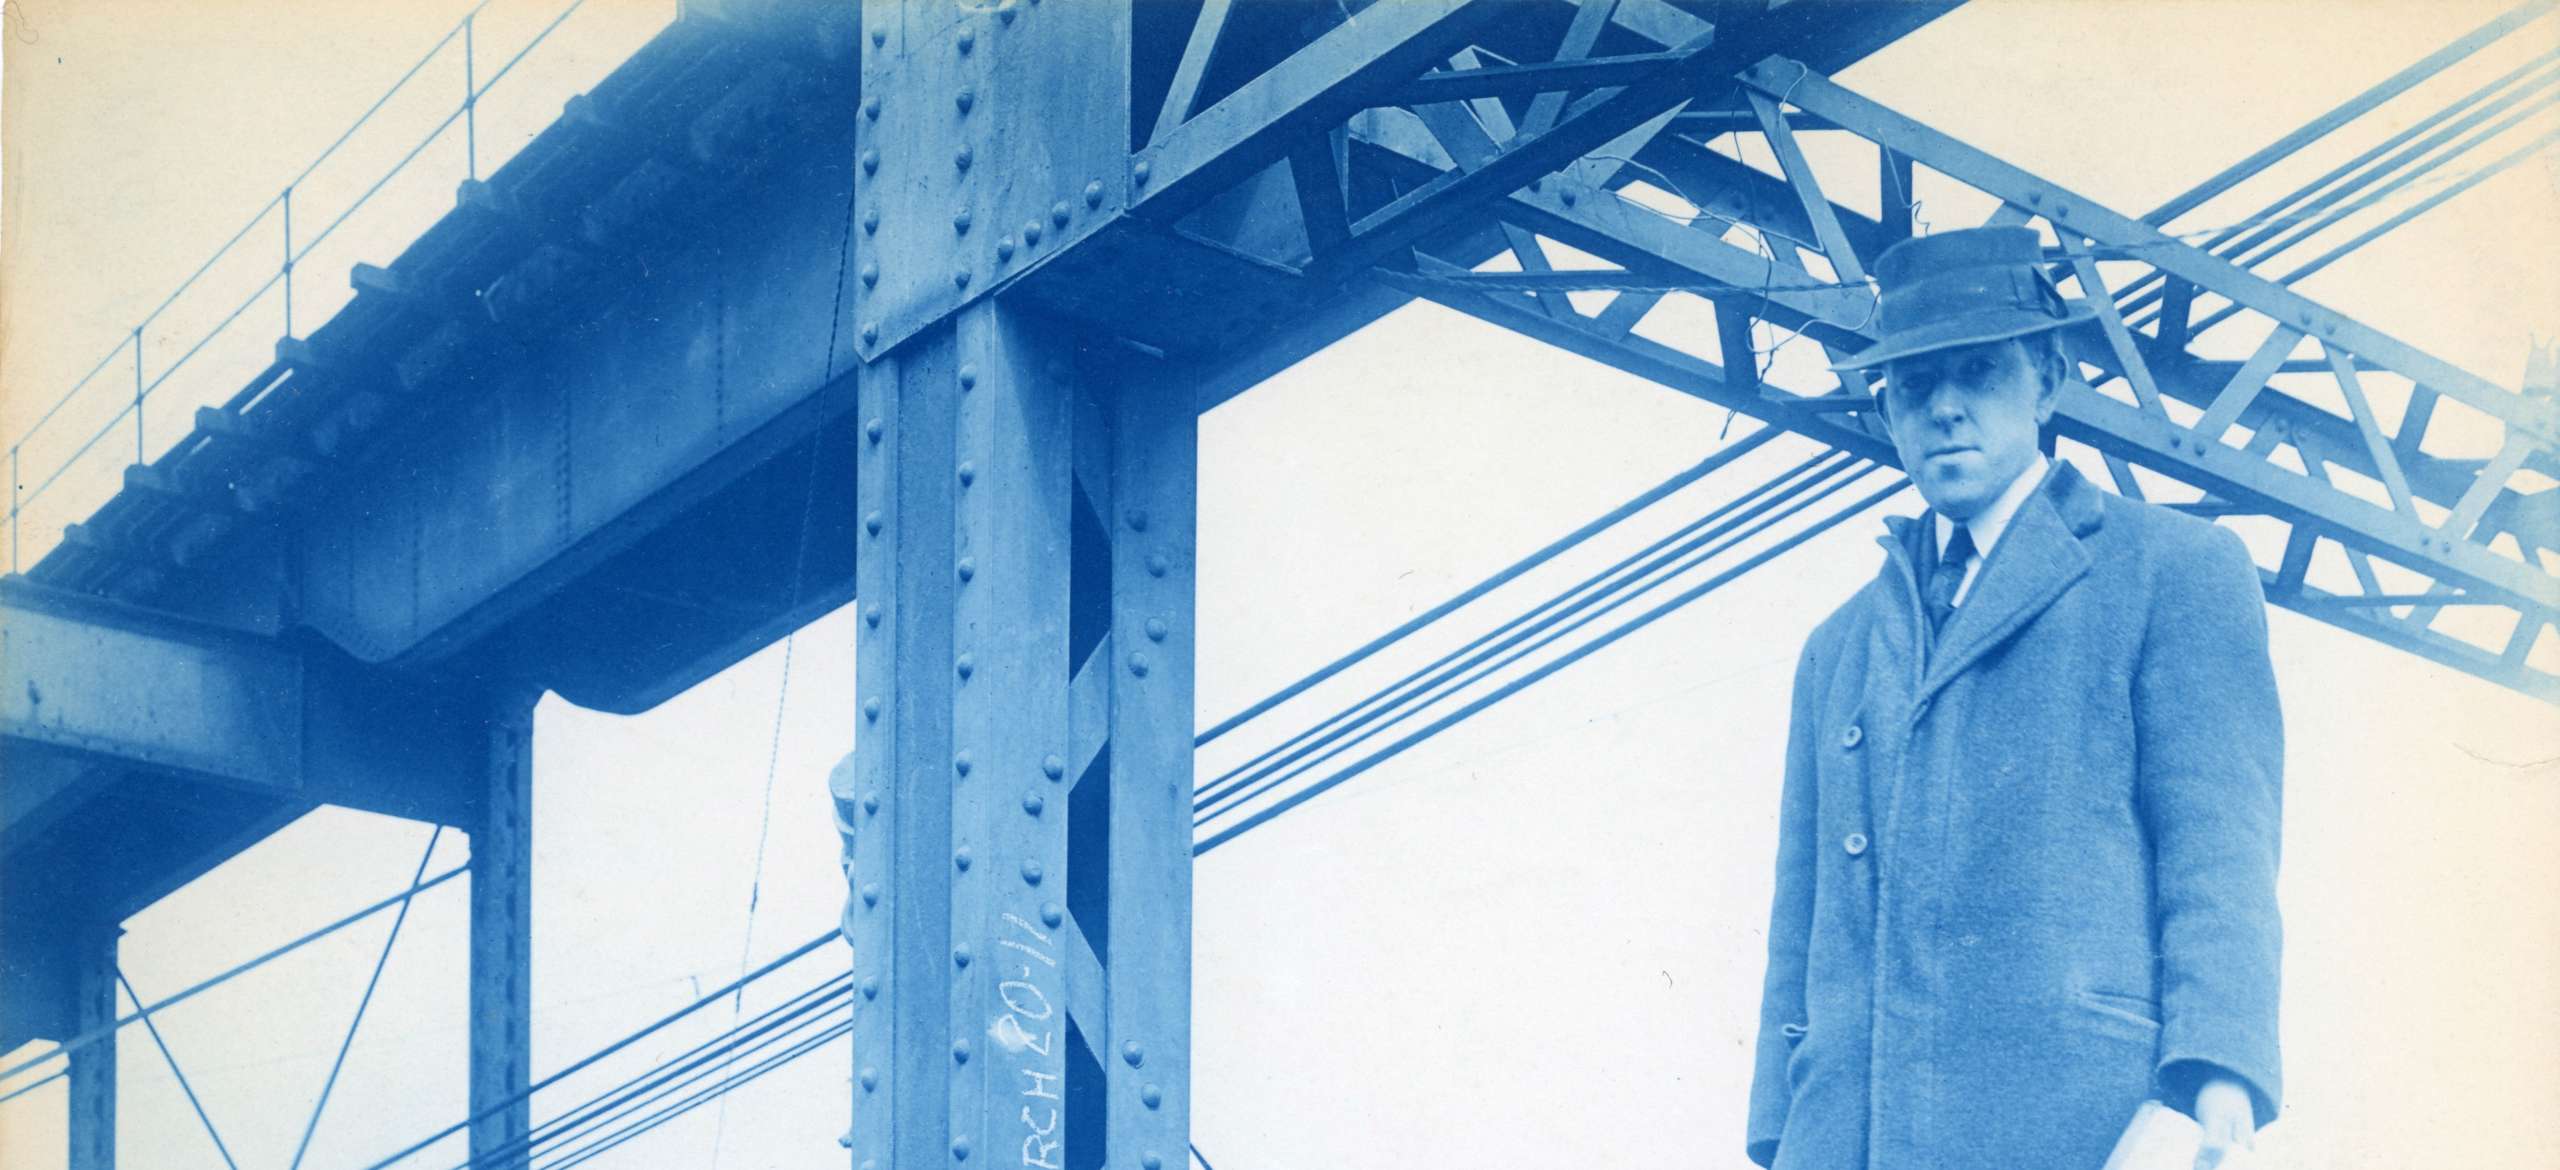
x,y
1963,288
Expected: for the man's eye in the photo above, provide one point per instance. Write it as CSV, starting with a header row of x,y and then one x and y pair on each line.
x,y
1976,369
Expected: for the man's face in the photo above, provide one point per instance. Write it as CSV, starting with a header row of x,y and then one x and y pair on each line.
x,y
1965,421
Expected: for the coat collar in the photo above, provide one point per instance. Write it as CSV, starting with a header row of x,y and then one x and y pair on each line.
x,y
2037,558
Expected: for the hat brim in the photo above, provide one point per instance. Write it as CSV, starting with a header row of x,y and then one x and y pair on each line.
x,y
1970,329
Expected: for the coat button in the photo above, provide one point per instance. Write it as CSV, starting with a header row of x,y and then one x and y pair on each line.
x,y
1855,843
1850,738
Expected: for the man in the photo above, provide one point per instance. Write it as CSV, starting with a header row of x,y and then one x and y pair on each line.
x,y
2027,842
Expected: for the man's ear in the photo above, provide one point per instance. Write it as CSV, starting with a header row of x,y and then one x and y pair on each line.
x,y
2055,364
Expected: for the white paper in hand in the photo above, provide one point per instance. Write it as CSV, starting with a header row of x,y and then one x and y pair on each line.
x,y
2158,1138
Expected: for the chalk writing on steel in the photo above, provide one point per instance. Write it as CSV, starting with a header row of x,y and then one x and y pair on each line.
x,y
1021,1030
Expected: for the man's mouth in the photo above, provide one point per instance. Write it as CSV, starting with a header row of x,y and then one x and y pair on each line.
x,y
1949,449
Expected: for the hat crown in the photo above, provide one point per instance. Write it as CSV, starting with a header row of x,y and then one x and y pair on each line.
x,y
1985,247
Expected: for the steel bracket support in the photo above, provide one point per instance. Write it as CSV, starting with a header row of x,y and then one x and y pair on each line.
x,y
501,958
1019,909
93,1068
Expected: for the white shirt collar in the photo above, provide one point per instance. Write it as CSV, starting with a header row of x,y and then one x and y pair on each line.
x,y
1987,525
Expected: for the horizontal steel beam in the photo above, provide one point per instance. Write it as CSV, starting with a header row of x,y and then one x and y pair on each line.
x,y
120,690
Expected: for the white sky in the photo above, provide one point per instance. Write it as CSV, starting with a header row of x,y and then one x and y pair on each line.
x,y
1533,938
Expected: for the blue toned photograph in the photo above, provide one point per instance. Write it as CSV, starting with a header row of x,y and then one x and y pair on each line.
x,y
1279,584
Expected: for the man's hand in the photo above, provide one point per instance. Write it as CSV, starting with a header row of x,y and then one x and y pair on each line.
x,y
2229,1121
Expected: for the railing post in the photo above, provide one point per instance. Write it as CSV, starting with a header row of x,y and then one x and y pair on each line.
x,y
288,261
137,392
470,104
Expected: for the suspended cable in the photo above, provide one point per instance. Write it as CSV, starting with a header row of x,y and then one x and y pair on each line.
x,y
365,1001
720,1045
103,1031
32,1086
1705,467
1623,597
646,1030
1302,795
720,1090
1559,607
171,1058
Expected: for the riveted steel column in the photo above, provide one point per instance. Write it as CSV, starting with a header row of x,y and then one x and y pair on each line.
x,y
501,999
1147,993
960,859
93,1068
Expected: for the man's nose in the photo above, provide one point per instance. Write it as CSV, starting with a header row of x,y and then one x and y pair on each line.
x,y
1946,403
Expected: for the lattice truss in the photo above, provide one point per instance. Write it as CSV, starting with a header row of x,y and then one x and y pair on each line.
x,y
1657,193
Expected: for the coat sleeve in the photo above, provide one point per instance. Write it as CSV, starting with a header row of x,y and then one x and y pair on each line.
x,y
2210,739
1782,1007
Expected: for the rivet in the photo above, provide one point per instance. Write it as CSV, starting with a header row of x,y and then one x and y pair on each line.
x,y
1004,248
1138,665
2061,209
965,99
870,274
871,522
960,221
871,803
1004,15
1140,172
1031,803
962,858
870,1078
968,472
871,893
1156,630
960,278
879,37
871,615
871,710
1150,1162
1093,193
1031,231
870,162
1052,767
1150,1096
870,220
870,987
1138,519
1566,192
960,955
1155,564
870,332
968,375
960,763
2035,198
968,38
1051,914
966,665
1129,1051
871,106
1032,873
1058,213
960,1145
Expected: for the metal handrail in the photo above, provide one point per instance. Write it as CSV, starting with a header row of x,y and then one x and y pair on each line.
x,y
294,252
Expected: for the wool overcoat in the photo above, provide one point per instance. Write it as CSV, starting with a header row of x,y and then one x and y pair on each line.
x,y
2026,865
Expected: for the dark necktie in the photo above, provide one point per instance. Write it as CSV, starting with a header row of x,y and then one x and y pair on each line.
x,y
1949,576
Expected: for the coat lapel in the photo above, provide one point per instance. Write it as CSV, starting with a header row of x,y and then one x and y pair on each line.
x,y
2038,558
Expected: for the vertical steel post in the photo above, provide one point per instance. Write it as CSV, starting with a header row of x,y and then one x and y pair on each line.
x,y
501,995
1000,1017
93,1068
1150,517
